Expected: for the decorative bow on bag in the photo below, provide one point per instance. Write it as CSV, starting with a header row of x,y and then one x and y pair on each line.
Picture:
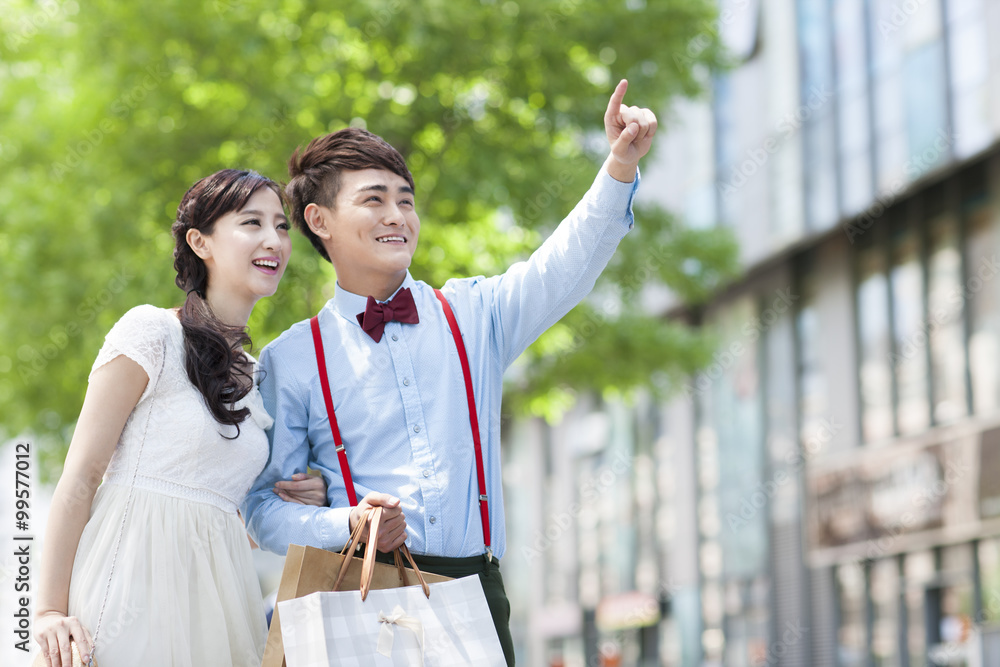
x,y
399,617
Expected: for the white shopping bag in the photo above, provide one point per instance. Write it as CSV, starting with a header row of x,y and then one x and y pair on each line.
x,y
396,626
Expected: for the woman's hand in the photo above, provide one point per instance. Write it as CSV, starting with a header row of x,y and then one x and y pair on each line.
x,y
53,632
303,489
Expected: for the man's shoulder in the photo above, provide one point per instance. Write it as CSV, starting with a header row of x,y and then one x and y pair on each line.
x,y
289,339
464,288
472,295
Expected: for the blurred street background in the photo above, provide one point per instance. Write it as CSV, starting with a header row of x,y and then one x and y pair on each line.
x,y
769,436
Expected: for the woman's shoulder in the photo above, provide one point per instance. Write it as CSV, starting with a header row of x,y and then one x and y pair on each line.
x,y
145,334
148,318
145,325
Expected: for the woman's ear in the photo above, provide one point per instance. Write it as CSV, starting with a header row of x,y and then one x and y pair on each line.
x,y
198,243
316,217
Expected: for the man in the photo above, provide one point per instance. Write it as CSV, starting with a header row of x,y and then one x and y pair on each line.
x,y
394,373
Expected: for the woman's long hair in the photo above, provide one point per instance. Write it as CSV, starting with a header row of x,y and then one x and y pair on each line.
x,y
213,350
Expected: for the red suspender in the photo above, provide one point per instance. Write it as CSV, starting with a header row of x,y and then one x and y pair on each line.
x,y
325,382
484,509
473,420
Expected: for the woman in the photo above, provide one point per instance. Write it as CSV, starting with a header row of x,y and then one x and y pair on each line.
x,y
173,423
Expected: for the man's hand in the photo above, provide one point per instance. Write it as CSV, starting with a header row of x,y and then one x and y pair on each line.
x,y
630,134
392,529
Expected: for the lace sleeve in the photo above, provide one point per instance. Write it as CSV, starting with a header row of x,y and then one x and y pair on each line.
x,y
141,336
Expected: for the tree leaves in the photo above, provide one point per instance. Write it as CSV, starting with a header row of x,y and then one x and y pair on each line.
x,y
108,115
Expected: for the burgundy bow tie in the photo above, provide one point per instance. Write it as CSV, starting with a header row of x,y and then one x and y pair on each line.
x,y
400,308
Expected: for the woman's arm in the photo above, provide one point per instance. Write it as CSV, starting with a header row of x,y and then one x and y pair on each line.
x,y
114,390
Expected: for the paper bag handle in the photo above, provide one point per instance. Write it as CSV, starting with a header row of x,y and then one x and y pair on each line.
x,y
368,564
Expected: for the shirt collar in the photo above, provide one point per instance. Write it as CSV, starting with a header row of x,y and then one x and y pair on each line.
x,y
348,304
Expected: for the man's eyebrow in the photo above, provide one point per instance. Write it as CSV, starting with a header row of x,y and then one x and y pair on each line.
x,y
383,188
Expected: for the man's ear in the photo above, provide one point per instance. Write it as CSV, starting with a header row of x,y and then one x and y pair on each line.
x,y
317,217
198,243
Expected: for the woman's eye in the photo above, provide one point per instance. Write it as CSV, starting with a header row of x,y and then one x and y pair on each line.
x,y
284,225
252,221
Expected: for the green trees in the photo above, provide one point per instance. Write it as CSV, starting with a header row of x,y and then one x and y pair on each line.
x,y
109,111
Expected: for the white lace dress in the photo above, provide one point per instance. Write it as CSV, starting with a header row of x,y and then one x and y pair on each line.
x,y
183,591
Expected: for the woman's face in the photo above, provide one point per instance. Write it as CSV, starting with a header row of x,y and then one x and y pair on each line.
x,y
248,250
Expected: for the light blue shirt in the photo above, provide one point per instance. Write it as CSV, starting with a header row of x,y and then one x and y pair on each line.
x,y
401,403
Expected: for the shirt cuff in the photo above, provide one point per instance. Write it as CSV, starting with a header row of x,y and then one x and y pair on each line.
x,y
336,532
615,197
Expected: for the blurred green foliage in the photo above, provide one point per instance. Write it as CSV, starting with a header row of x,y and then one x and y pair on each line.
x,y
110,110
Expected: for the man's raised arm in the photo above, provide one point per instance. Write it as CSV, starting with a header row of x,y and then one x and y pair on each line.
x,y
533,295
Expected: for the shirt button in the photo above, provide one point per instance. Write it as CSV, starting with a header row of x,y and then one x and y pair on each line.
x,y
427,473
395,337
406,382
433,519
416,429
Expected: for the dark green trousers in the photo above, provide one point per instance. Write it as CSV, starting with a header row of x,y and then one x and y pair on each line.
x,y
489,577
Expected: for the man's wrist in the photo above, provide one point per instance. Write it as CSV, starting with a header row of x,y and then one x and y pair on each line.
x,y
619,171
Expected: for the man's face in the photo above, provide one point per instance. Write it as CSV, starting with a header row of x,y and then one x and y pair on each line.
x,y
373,230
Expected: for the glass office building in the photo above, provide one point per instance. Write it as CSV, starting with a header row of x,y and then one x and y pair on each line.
x,y
824,493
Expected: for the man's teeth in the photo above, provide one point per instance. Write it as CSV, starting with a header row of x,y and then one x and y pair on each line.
x,y
387,239
269,263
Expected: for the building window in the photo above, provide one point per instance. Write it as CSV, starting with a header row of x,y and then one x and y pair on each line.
x,y
981,293
853,126
813,392
820,162
989,583
874,345
779,401
885,608
732,512
730,180
927,134
851,635
969,74
922,37
909,328
911,101
988,554
950,607
919,572
887,90
737,418
946,331
928,312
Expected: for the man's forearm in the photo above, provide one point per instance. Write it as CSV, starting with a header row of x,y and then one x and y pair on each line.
x,y
274,523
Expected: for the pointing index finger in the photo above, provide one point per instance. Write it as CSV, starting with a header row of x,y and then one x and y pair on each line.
x,y
615,105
